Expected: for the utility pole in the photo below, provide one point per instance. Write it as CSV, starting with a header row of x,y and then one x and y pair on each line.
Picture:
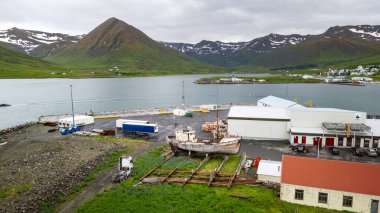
x,y
72,104
183,94
217,112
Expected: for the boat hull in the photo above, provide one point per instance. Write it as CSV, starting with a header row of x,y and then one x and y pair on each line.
x,y
232,147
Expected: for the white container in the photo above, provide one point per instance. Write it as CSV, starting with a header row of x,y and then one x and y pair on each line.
x,y
80,120
179,112
119,122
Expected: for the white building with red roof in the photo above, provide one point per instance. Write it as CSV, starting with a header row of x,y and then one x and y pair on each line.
x,y
332,184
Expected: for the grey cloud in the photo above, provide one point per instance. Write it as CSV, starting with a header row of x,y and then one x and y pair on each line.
x,y
191,20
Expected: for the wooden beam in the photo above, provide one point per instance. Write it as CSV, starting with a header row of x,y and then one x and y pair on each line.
x,y
237,171
156,167
196,170
172,171
212,176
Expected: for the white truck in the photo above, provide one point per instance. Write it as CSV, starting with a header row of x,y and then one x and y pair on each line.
x,y
80,120
124,169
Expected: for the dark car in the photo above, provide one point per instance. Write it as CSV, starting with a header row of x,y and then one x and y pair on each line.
x,y
334,150
357,151
300,148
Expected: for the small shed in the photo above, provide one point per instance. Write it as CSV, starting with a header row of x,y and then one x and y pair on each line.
x,y
269,171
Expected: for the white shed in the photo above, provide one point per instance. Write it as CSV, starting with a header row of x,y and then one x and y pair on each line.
x,y
269,171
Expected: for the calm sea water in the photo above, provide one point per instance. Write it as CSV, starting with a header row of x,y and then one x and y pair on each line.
x,y
31,98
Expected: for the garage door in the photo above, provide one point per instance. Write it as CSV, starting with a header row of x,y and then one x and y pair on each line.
x,y
329,141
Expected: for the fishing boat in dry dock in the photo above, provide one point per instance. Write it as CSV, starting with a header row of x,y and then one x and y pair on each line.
x,y
185,139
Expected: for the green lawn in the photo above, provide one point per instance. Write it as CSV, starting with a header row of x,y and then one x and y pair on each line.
x,y
170,197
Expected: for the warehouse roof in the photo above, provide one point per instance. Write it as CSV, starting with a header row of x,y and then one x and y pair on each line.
x,y
306,109
345,176
273,101
268,167
253,112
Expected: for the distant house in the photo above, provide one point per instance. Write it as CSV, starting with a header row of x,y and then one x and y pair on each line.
x,y
340,185
307,77
269,171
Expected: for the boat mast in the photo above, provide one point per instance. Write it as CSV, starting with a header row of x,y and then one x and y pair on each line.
x,y
72,104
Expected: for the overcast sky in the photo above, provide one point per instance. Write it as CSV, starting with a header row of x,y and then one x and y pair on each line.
x,y
191,20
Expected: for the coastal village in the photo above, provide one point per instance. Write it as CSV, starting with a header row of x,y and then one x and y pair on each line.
x,y
327,139
357,77
190,106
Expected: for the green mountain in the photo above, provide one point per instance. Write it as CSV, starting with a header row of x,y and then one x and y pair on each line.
x,y
17,65
115,43
314,52
339,44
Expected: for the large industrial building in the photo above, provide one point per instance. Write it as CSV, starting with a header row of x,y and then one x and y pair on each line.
x,y
287,121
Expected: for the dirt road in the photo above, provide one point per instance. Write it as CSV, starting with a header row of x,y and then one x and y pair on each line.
x,y
102,182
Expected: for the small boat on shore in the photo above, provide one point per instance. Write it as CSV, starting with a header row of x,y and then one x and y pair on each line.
x,y
185,139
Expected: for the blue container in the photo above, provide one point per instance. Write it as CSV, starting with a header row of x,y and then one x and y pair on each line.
x,y
64,131
142,128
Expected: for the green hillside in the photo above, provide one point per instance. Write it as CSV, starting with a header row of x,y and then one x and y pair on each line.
x,y
18,65
115,43
315,52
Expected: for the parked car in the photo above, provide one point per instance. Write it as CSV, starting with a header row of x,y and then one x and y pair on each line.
x,y
300,148
371,152
357,151
334,150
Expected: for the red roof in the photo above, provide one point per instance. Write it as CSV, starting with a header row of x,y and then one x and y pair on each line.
x,y
363,178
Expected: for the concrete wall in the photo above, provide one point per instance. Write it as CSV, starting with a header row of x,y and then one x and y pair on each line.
x,y
258,129
315,118
269,178
360,202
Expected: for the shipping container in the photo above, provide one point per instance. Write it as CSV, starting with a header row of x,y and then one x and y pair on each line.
x,y
140,128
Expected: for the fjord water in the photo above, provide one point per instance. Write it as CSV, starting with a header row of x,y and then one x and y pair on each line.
x,y
31,98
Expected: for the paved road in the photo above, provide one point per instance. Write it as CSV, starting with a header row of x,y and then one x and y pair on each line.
x,y
274,150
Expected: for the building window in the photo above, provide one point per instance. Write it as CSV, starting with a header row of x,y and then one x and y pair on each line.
x,y
349,142
299,194
357,142
322,197
340,141
366,143
375,143
347,201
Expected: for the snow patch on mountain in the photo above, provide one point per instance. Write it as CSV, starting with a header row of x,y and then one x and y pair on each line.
x,y
374,34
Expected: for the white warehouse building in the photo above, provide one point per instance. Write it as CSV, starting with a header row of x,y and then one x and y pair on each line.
x,y
326,126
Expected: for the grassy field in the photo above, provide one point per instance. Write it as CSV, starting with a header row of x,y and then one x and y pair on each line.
x,y
168,197
110,162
